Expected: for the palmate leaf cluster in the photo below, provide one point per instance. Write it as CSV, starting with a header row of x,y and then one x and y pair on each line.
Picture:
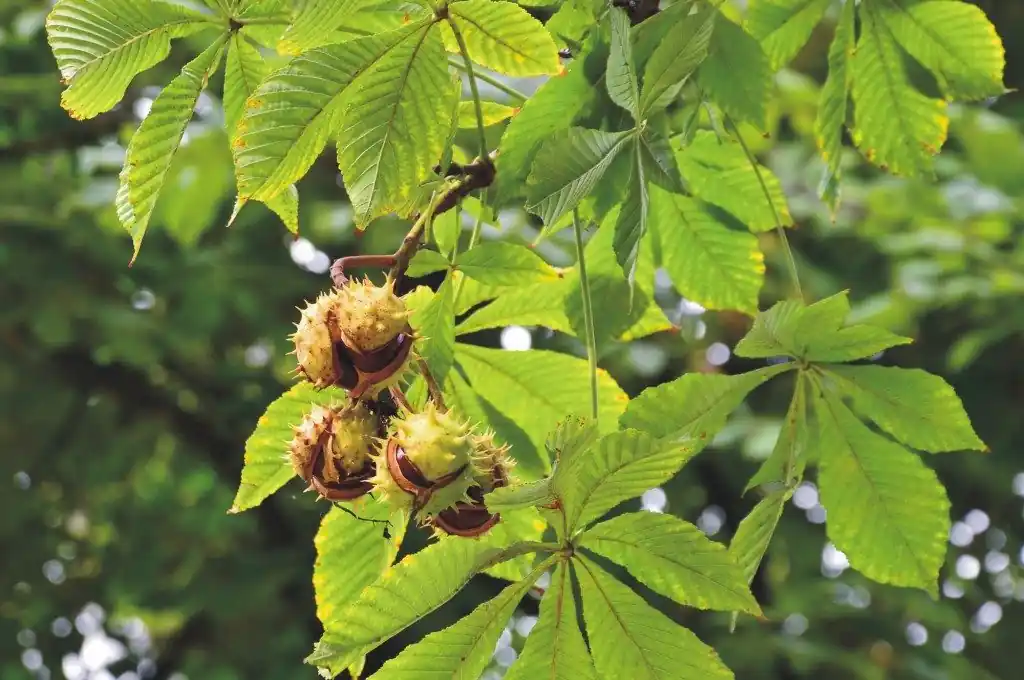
x,y
641,131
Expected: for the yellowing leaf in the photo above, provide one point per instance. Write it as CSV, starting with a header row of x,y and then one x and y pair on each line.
x,y
895,126
493,112
503,37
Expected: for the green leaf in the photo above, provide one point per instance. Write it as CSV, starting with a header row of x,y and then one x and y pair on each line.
x,y
515,526
315,22
620,466
555,649
571,437
536,305
567,167
620,77
101,45
536,388
631,225
464,649
709,263
426,262
552,108
353,547
631,639
834,101
673,558
396,120
497,263
286,206
292,114
493,112
435,324
503,37
696,405
754,533
919,409
244,71
814,333
720,173
404,594
736,74
784,26
266,466
525,495
153,145
785,466
896,127
887,511
675,59
954,40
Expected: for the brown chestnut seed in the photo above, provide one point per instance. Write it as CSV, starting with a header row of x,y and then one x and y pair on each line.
x,y
466,520
348,489
368,380
380,358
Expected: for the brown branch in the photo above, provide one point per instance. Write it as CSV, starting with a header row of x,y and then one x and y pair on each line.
x,y
436,395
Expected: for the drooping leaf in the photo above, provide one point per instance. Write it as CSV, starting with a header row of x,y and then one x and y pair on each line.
x,y
785,465
352,553
497,263
566,168
673,558
754,533
435,323
555,649
503,37
631,639
835,97
292,114
620,466
286,206
101,45
536,305
462,650
709,263
153,145
694,406
395,123
887,511
955,40
895,126
631,225
553,107
919,409
720,173
736,74
675,59
536,388
266,466
621,77
784,26
493,113
245,70
404,593
315,22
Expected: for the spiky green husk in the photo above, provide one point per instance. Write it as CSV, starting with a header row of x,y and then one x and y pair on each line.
x,y
370,316
347,447
385,486
312,338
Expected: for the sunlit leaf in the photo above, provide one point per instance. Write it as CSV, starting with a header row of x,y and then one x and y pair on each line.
x,y
675,59
784,26
503,37
154,144
620,76
917,408
630,639
673,558
497,263
266,467
101,45
835,97
245,70
717,267
736,74
887,511
315,22
895,126
493,113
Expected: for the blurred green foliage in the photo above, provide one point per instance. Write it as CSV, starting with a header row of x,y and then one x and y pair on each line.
x,y
127,395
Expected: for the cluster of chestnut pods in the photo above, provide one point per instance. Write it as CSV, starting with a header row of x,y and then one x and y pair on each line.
x,y
427,461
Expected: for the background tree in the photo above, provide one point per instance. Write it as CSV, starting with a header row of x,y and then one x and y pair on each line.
x,y
129,392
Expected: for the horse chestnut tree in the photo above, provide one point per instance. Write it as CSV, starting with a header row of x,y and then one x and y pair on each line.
x,y
642,130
